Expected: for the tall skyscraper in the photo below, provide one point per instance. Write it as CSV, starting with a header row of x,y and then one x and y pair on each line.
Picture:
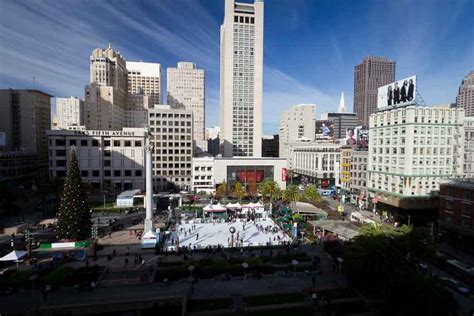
x,y
241,78
69,112
342,105
465,98
186,89
369,75
106,93
144,79
297,123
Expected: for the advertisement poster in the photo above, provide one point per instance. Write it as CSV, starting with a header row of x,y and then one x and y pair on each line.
x,y
397,94
362,137
283,174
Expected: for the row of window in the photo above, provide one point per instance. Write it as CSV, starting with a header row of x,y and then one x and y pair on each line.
x,y
95,143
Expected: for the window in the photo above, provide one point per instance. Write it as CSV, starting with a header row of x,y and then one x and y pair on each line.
x,y
107,163
84,173
127,143
128,173
117,173
84,143
138,173
60,142
60,163
116,143
72,142
60,153
95,173
107,173
138,143
106,143
95,143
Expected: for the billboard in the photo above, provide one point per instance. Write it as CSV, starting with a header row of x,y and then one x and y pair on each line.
x,y
350,136
362,137
244,176
397,94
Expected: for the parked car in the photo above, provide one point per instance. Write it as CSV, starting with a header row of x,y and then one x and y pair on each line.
x,y
456,285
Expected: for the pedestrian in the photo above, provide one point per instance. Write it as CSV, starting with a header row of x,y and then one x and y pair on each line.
x,y
114,252
197,236
87,263
110,234
314,298
313,280
125,261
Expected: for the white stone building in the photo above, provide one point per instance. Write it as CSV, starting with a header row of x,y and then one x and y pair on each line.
x,y
144,79
203,178
241,67
412,150
469,147
319,161
297,123
172,137
112,159
186,89
69,112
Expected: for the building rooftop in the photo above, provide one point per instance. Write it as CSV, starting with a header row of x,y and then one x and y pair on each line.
x,y
461,183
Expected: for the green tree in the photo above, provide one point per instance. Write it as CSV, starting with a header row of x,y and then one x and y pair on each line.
x,y
311,194
221,191
74,219
292,194
239,191
271,189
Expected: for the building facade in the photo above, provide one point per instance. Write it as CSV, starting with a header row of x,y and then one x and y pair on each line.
x,y
172,138
144,79
297,123
105,96
186,89
271,146
241,77
469,147
369,75
25,116
318,161
69,112
359,174
412,150
203,179
456,211
107,159
465,97
345,175
246,170
340,122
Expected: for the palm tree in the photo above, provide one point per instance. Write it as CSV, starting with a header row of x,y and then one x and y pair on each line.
x,y
292,193
312,194
239,191
271,189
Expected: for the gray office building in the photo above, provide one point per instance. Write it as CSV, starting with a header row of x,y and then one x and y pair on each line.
x,y
339,122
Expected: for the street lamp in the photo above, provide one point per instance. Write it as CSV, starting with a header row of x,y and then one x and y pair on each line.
x,y
232,231
294,262
245,265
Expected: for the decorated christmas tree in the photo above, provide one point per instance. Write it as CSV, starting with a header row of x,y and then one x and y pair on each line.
x,y
74,219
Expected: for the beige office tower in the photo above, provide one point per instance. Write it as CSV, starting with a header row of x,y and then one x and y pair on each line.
x,y
465,98
369,75
106,93
241,79
185,86
69,112
144,79
296,124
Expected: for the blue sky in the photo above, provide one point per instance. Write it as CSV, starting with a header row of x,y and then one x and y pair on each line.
x,y
310,47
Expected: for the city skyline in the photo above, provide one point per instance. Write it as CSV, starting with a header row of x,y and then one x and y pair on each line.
x,y
326,38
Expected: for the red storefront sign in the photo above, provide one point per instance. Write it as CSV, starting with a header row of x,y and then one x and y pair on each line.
x,y
283,174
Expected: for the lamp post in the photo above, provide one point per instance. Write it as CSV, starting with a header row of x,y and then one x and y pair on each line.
x,y
294,262
245,265
232,231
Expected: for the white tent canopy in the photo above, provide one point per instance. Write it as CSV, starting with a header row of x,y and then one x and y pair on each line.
x,y
207,208
15,255
234,205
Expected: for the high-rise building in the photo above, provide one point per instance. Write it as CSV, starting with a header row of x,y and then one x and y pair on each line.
x,y
186,89
340,122
105,96
144,79
469,147
369,75
297,123
25,116
465,98
212,135
271,146
69,112
172,137
411,151
241,78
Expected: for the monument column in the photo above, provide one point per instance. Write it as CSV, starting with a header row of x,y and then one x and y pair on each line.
x,y
149,225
